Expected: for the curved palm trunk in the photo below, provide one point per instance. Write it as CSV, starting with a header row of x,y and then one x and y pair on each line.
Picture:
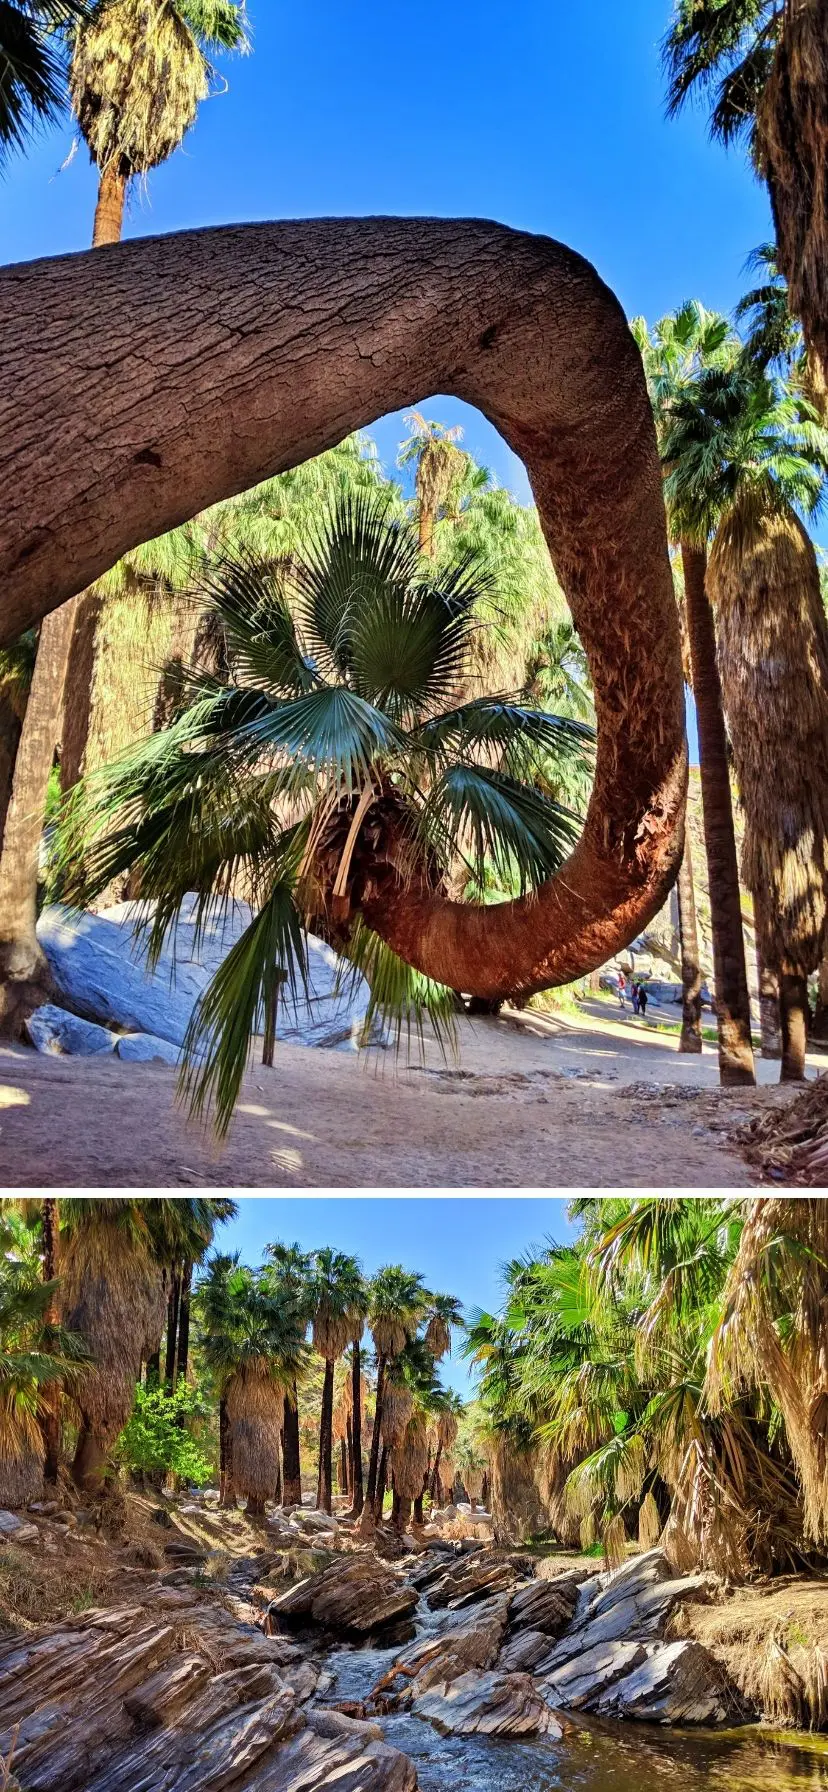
x,y
736,1065
325,1484
517,325
25,980
373,1460
356,1433
292,1469
691,977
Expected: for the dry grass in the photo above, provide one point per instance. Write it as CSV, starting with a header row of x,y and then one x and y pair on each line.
x,y
790,1143
42,1589
771,1642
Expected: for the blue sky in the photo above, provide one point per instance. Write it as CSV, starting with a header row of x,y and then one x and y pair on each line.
x,y
457,1245
549,117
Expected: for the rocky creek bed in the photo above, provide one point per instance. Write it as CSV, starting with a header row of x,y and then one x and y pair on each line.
x,y
457,1669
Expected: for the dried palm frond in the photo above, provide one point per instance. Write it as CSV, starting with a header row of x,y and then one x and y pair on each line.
x,y
587,1530
21,1475
390,1336
438,1335
781,1270
255,1409
411,1458
614,1541
397,1405
447,1431
112,1294
136,78
331,1334
773,652
649,1523
792,131
517,1506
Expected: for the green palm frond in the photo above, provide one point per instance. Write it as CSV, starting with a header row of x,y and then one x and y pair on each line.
x,y
401,998
32,64
248,594
231,1009
486,815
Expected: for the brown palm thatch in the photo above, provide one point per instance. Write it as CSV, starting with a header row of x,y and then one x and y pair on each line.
x,y
614,1540
396,1412
438,1336
136,78
410,1457
517,1506
782,1260
390,1335
773,655
331,1333
649,1522
112,1294
21,1472
792,152
447,1432
255,1409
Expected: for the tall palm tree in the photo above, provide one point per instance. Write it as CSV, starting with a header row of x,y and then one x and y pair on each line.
x,y
746,455
679,345
32,64
691,972
335,766
439,465
254,1349
289,1268
398,1301
444,1312
182,1232
38,1357
138,71
765,67
339,1301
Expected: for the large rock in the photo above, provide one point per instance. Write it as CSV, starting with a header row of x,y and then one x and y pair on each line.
x,y
472,1578
147,1048
676,1683
17,1530
60,1034
99,966
487,1705
524,1652
642,1613
114,1703
578,1683
437,1660
547,1605
356,1595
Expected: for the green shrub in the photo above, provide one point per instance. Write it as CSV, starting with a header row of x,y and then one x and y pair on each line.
x,y
159,1437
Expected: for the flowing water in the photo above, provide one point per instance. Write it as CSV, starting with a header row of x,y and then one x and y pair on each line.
x,y
592,1757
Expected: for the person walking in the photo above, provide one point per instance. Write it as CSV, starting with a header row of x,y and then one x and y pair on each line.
x,y
636,993
622,987
642,1001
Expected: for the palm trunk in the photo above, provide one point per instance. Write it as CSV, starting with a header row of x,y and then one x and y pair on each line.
x,y
819,1025
324,1487
292,1475
255,1505
417,1517
227,1491
89,1464
173,1305
277,1491
373,1460
691,977
435,1473
795,1014
10,726
49,1407
25,981
382,1476
184,1321
736,1066
425,529
109,210
343,1466
356,1433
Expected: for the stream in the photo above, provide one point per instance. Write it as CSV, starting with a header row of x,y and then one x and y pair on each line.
x,y
594,1757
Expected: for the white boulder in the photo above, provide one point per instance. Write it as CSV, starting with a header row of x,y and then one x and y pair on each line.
x,y
99,964
55,1031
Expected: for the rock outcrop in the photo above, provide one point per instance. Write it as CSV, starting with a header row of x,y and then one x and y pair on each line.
x,y
100,969
356,1596
490,1704
117,1701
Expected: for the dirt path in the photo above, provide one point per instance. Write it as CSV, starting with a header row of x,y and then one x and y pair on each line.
x,y
534,1104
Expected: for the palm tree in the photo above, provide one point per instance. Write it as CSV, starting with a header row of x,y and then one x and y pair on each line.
x,y
678,346
766,69
16,667
32,65
439,465
746,455
38,1357
338,1299
182,1232
335,768
289,1268
691,971
444,1312
398,1301
254,1348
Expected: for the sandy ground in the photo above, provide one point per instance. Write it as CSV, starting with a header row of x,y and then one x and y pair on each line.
x,y
599,1102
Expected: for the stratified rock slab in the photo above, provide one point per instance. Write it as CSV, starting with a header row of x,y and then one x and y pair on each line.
x,y
436,1660
546,1605
488,1705
677,1683
470,1579
357,1595
580,1682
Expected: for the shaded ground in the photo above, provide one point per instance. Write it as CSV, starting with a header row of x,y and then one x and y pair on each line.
x,y
527,1102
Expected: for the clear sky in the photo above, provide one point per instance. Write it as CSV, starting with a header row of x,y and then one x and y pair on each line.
x,y
545,115
458,1245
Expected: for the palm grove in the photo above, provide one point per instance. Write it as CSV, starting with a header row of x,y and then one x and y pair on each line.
x,y
130,1344
321,690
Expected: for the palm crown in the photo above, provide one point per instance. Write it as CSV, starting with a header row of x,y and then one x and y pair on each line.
x,y
334,763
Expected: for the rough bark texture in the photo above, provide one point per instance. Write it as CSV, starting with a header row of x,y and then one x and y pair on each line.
x,y
356,1433
291,1465
109,209
768,985
49,1406
792,143
10,726
325,1483
24,977
691,976
182,369
795,1014
732,999
373,1460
